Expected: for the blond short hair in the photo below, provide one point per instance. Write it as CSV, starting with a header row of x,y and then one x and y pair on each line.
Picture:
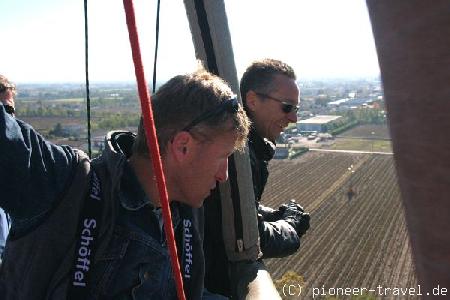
x,y
6,84
185,97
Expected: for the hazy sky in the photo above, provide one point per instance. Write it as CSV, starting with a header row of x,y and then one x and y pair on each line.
x,y
43,40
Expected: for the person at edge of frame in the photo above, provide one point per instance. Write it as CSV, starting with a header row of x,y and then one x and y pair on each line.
x,y
7,94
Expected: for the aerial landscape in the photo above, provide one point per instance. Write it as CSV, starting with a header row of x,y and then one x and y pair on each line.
x,y
76,82
339,168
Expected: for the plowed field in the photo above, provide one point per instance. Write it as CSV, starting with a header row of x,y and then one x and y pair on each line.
x,y
357,243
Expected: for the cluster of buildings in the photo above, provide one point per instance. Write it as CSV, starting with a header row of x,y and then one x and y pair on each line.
x,y
319,123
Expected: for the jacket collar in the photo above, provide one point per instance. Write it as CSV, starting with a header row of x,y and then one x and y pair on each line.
x,y
131,194
118,145
264,149
132,197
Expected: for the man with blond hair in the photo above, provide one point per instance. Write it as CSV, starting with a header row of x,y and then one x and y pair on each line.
x,y
85,229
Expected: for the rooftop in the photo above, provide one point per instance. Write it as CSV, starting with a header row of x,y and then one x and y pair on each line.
x,y
319,119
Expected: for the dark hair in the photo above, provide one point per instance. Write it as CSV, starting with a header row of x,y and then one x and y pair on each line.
x,y
259,76
185,97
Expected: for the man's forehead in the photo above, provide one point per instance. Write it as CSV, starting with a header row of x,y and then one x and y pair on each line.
x,y
286,88
283,82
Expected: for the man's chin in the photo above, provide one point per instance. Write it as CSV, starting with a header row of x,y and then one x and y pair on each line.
x,y
197,205
275,135
273,138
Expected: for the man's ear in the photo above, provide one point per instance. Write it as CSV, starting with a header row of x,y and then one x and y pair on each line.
x,y
181,145
251,98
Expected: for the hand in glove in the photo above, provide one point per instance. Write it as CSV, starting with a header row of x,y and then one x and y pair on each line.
x,y
269,214
291,205
295,215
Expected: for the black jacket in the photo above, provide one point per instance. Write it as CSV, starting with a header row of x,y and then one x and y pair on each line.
x,y
277,237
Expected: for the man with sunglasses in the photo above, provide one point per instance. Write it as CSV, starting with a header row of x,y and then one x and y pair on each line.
x,y
270,96
92,229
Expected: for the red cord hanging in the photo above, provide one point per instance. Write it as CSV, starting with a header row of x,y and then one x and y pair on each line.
x,y
152,143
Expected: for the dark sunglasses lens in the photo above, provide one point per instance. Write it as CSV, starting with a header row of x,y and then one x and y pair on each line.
x,y
287,108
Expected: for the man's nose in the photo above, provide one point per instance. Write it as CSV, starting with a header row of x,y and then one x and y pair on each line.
x,y
292,117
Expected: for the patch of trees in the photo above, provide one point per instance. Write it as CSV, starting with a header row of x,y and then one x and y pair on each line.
x,y
366,115
29,110
115,121
354,117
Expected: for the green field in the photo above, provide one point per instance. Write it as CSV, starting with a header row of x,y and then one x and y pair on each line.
x,y
70,100
55,101
361,145
368,131
353,242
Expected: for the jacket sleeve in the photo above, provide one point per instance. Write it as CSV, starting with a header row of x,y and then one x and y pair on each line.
x,y
268,214
277,238
33,171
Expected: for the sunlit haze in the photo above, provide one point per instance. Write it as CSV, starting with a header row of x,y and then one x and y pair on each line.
x,y
43,40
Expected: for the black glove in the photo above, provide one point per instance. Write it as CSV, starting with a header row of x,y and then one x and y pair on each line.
x,y
277,239
291,205
269,214
295,215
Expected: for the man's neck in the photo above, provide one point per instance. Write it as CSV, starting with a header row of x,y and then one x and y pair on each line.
x,y
143,170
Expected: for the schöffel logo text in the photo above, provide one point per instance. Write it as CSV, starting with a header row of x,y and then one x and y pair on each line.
x,y
95,188
187,224
87,234
84,253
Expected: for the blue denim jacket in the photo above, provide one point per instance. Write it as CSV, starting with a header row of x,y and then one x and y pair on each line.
x,y
135,265
33,173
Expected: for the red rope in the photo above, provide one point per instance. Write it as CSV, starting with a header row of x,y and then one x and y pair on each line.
x,y
152,143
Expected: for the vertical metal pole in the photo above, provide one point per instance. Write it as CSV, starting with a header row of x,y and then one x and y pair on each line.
x,y
86,60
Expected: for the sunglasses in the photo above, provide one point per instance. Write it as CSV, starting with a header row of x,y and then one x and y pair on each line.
x,y
231,106
285,106
4,87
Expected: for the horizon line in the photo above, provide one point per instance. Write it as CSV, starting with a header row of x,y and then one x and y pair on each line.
x,y
312,78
